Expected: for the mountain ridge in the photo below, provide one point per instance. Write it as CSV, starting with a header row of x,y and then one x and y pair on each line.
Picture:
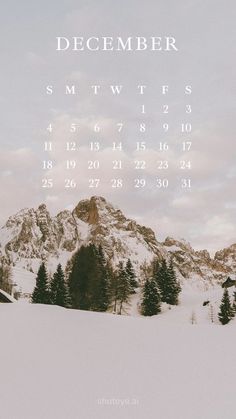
x,y
33,234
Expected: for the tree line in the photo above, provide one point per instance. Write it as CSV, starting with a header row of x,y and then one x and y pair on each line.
x,y
161,287
90,282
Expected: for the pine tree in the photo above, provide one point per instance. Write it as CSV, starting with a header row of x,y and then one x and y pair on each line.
x,y
58,289
6,283
81,276
124,289
226,311
101,293
131,275
68,268
151,298
89,279
113,288
155,266
41,293
167,283
234,301
161,277
173,287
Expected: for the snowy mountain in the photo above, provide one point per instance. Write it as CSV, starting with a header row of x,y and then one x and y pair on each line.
x,y
33,234
227,257
198,264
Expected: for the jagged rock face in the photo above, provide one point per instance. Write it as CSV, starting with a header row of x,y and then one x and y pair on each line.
x,y
120,237
227,257
190,262
87,211
97,211
22,235
34,234
67,234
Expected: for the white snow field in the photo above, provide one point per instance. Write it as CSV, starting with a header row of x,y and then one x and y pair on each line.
x,y
68,364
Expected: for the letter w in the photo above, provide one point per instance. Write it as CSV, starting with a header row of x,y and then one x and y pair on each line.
x,y
116,89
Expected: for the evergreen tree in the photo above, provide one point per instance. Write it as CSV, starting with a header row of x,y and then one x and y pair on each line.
x,y
113,288
124,289
155,266
173,287
167,283
226,311
151,298
234,301
101,287
58,287
41,294
83,274
131,275
89,279
68,268
161,277
6,283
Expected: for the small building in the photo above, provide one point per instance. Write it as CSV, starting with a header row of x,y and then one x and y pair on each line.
x,y
6,298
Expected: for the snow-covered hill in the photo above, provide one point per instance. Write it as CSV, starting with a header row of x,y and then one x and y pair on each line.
x,y
58,363
33,234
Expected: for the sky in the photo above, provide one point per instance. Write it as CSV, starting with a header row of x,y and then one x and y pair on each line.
x,y
205,35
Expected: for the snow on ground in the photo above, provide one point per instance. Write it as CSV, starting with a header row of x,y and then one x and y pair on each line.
x,y
24,279
191,308
67,364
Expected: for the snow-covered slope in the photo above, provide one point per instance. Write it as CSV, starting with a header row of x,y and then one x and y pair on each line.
x,y
66,364
24,280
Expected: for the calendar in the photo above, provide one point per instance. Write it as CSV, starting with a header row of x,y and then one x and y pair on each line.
x,y
117,210
140,149
134,116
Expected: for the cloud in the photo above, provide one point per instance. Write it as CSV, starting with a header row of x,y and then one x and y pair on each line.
x,y
205,215
35,60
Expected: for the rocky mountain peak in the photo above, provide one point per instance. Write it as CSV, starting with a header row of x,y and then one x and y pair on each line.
x,y
33,234
44,220
227,256
97,210
177,244
42,208
203,254
88,210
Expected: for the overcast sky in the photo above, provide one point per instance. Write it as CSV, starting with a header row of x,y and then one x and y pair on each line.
x,y
205,36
